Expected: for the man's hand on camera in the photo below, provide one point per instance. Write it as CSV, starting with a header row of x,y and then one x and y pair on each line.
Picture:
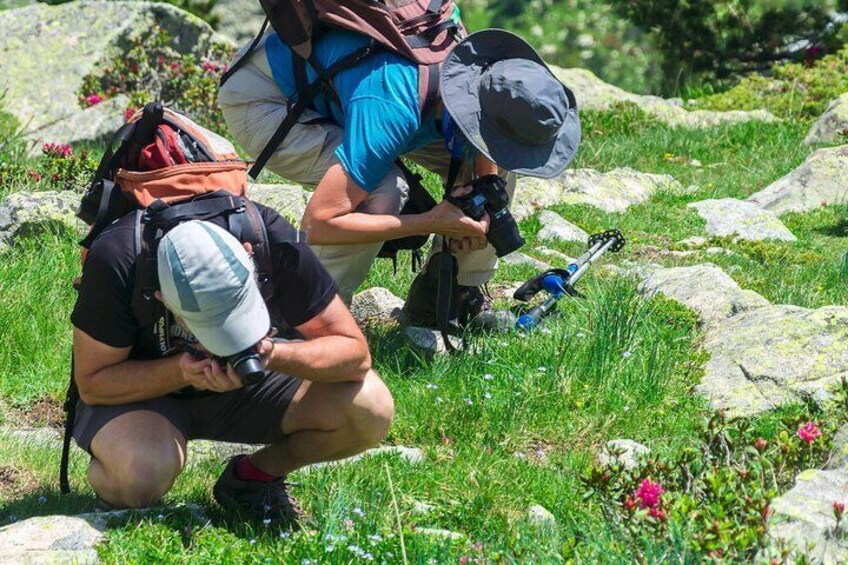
x,y
448,220
207,374
265,349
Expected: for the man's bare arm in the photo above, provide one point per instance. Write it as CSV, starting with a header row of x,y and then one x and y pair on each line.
x,y
334,351
105,375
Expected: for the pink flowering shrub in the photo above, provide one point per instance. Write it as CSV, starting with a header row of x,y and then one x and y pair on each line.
x,y
151,69
808,432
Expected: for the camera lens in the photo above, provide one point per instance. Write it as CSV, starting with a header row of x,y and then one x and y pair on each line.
x,y
247,366
503,233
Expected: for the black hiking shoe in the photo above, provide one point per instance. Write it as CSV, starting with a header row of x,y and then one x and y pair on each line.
x,y
257,500
476,310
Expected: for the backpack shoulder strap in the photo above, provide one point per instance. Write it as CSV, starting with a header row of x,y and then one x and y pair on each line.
x,y
249,227
246,57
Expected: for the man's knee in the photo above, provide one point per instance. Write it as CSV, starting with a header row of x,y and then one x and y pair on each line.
x,y
137,479
371,414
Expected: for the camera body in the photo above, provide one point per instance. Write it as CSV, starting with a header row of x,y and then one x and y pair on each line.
x,y
246,364
488,196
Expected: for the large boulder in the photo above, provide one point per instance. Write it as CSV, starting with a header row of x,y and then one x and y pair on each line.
x,y
766,357
705,288
50,539
289,200
594,94
731,217
47,51
240,20
803,521
832,126
614,191
818,182
29,213
376,305
555,227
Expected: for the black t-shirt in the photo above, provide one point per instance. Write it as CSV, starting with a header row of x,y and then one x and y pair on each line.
x,y
302,289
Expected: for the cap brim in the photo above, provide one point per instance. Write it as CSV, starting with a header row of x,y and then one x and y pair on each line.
x,y
235,329
461,74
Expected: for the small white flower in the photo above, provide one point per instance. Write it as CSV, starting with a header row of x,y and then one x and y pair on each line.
x,y
160,516
627,408
545,330
359,512
581,334
468,401
266,521
626,354
520,455
253,542
542,369
487,396
432,386
488,377
285,535
439,400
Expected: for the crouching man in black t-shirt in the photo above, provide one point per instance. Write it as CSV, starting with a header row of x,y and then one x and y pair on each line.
x,y
142,398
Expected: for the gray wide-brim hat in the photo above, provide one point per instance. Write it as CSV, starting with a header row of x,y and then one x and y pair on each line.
x,y
509,105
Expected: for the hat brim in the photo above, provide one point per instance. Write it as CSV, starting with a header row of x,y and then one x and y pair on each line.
x,y
234,329
461,74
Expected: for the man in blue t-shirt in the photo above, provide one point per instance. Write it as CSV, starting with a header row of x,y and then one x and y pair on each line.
x,y
501,110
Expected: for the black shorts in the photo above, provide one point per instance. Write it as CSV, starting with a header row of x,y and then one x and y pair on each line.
x,y
248,415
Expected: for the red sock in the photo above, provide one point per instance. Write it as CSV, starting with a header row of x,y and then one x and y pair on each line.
x,y
247,471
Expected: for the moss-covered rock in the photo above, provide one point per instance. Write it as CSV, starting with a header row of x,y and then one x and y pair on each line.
x,y
25,214
743,220
46,51
819,181
594,94
832,126
773,355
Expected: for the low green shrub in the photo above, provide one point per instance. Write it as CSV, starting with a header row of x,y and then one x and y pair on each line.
x,y
796,90
152,69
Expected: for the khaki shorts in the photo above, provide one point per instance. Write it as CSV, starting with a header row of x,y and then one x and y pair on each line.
x,y
253,107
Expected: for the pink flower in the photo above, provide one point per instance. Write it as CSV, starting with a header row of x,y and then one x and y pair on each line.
x,y
649,494
808,432
129,113
464,560
56,149
34,175
760,445
838,510
209,66
93,99
657,514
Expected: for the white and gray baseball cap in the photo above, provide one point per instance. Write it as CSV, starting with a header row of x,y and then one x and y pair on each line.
x,y
207,279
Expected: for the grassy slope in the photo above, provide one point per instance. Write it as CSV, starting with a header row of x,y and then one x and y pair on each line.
x,y
614,365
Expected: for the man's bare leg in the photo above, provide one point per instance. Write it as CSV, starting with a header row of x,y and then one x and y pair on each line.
x,y
137,457
328,421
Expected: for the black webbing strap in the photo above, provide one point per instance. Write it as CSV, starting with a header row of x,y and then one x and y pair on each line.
x,y
454,169
71,399
428,36
448,268
304,99
161,217
244,58
431,97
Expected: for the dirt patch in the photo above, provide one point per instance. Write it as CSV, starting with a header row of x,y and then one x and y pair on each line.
x,y
14,482
43,412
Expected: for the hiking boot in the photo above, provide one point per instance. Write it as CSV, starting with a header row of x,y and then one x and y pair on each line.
x,y
255,499
476,310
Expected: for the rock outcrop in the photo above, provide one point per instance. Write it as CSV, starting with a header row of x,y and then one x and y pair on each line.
x,y
819,181
289,200
30,213
594,94
614,191
555,227
47,51
744,220
50,539
376,305
832,126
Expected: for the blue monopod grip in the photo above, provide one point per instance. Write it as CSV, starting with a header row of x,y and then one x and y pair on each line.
x,y
554,285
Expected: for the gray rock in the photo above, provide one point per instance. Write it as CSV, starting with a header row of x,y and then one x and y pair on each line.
x,y
729,216
518,258
429,341
705,288
25,214
555,227
766,357
832,126
376,305
803,520
540,516
819,181
693,242
239,20
559,256
839,455
420,508
50,540
103,520
614,191
594,94
440,533
49,50
32,436
625,452
204,449
289,200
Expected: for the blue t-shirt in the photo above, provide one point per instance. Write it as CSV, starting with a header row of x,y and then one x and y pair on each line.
x,y
379,103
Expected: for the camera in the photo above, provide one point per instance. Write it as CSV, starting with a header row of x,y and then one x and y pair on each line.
x,y
246,364
488,195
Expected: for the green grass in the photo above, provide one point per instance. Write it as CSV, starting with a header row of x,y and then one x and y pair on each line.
x,y
515,423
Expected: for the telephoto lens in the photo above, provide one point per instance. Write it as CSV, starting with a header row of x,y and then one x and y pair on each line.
x,y
247,366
